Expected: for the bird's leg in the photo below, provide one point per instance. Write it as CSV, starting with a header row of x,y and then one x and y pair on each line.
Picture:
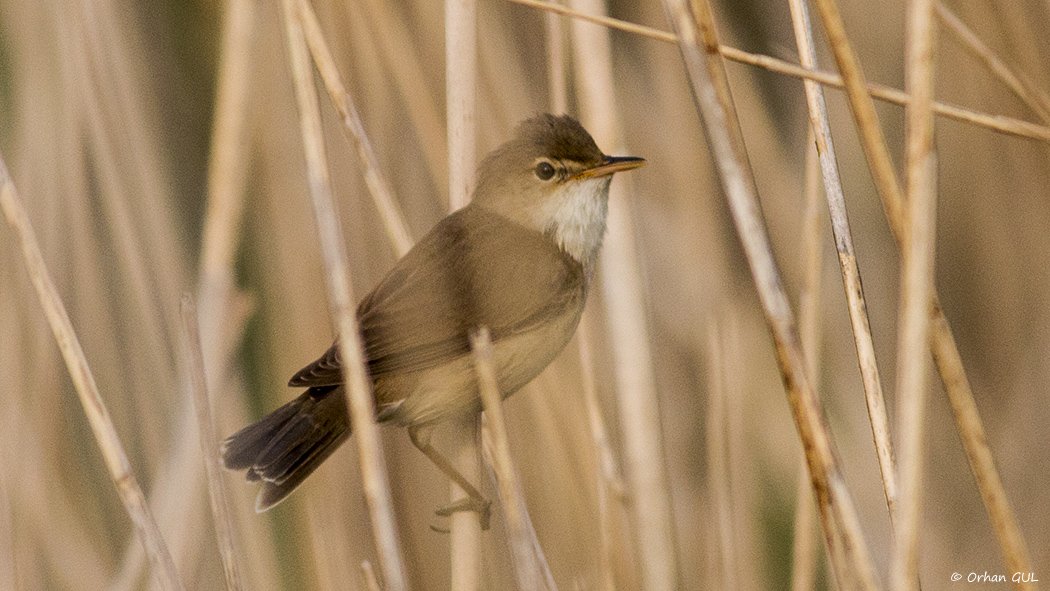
x,y
474,500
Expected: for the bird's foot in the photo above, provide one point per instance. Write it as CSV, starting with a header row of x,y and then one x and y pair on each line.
x,y
481,506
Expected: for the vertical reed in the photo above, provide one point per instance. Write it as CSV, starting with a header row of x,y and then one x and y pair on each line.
x,y
359,400
106,436
461,106
623,290
842,533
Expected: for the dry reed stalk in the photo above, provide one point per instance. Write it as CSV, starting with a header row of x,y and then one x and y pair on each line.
x,y
872,139
607,553
1000,123
1021,86
608,478
8,557
975,442
461,63
407,72
637,399
718,463
858,310
461,97
1023,31
527,563
536,558
465,526
812,253
803,544
609,482
226,165
115,76
104,135
917,279
35,442
942,342
127,165
609,471
220,506
382,195
599,19
804,550
176,482
370,576
222,309
337,276
505,88
29,451
84,381
378,187
331,566
110,123
847,550
559,93
743,512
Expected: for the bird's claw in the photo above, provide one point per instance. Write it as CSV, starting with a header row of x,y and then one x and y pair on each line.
x,y
480,506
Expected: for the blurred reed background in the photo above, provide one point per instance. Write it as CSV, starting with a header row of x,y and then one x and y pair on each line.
x,y
120,121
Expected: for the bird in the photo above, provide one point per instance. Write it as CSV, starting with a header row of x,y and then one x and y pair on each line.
x,y
518,260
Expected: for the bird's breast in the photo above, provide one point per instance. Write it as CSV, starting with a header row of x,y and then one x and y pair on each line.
x,y
436,394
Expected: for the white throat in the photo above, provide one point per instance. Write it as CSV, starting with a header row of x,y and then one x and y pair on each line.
x,y
574,216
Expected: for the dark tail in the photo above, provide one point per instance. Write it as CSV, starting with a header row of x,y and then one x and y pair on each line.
x,y
287,445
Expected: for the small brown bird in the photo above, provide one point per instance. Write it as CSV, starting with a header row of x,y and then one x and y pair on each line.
x,y
518,260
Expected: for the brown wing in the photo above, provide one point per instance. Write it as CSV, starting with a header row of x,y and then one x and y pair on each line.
x,y
475,268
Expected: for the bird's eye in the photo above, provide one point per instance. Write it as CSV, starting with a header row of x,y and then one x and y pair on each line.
x,y
544,171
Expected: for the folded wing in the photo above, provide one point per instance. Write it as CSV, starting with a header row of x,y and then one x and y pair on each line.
x,y
476,268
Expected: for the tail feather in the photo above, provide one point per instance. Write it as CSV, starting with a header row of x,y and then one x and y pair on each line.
x,y
241,449
298,434
287,445
275,492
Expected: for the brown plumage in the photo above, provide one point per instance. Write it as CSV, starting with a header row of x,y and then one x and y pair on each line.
x,y
518,260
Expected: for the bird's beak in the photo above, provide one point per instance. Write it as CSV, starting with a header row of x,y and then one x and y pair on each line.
x,y
610,165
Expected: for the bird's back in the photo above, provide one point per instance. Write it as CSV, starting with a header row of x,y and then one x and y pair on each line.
x,y
475,268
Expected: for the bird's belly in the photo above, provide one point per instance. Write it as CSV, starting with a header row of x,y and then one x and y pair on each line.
x,y
439,393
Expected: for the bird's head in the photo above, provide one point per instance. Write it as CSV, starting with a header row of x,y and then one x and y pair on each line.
x,y
553,178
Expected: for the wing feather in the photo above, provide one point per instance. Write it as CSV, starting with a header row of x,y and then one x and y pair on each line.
x,y
474,268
